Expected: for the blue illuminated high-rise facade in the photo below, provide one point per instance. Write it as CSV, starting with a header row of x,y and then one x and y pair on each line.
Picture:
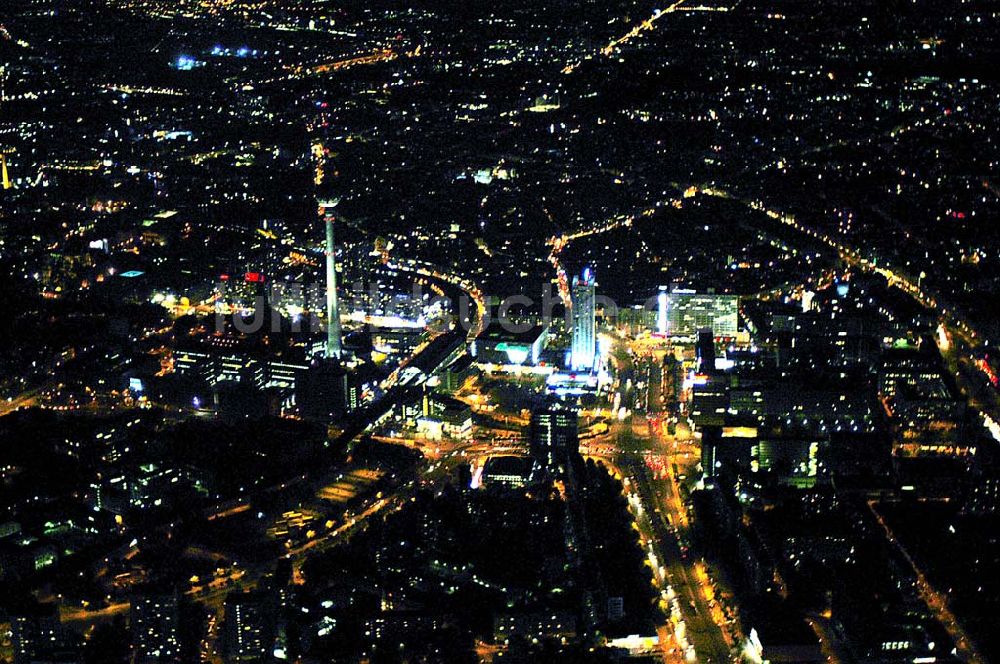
x,y
584,350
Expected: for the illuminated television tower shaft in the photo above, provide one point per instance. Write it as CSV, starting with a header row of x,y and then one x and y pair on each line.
x,y
6,178
334,346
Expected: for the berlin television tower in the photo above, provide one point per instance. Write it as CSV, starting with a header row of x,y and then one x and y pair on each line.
x,y
333,334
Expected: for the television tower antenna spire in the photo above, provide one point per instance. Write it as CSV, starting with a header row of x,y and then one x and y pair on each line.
x,y
334,344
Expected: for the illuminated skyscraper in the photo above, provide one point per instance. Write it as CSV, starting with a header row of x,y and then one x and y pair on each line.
x,y
553,436
662,322
584,349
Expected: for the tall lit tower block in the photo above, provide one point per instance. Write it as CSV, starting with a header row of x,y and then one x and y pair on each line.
x,y
584,349
553,436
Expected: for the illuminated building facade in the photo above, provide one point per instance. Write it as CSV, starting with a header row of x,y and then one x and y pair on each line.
x,y
509,471
249,626
584,350
791,462
42,639
688,312
710,401
154,628
554,436
497,345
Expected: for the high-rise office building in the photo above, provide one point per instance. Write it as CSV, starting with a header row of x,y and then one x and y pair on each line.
x,y
705,351
584,350
553,436
154,625
250,626
688,312
662,306
710,400
711,437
